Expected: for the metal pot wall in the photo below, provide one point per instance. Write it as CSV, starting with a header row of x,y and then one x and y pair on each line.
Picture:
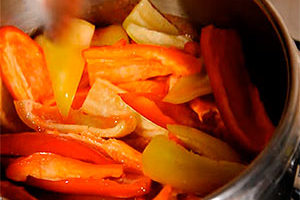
x,y
272,61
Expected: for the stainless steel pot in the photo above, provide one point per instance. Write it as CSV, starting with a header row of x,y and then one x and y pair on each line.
x,y
272,61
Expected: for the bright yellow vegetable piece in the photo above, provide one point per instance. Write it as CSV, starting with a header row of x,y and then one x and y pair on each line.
x,y
64,61
109,35
203,143
145,25
187,88
169,163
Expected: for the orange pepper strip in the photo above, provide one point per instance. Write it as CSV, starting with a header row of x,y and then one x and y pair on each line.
x,y
156,87
23,66
147,108
122,188
11,191
51,166
134,62
237,98
24,144
165,193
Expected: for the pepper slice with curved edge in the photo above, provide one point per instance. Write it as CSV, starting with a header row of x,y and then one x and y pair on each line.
x,y
23,66
203,143
125,187
237,98
64,60
161,113
41,118
49,166
147,108
169,163
132,62
24,144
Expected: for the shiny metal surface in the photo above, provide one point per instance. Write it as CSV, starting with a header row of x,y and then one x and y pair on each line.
x,y
271,58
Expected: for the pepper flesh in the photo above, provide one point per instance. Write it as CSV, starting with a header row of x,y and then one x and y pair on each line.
x,y
237,98
24,78
122,188
64,61
24,144
134,62
185,170
203,143
51,166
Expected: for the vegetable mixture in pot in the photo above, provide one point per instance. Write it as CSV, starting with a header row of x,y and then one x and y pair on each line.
x,y
134,110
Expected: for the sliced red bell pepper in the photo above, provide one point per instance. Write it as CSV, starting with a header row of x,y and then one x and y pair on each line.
x,y
237,98
134,62
23,66
122,188
51,166
24,144
147,108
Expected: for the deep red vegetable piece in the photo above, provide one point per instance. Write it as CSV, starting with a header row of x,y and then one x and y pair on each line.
x,y
237,98
122,188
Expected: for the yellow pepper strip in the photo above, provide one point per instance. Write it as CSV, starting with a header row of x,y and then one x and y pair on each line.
x,y
64,61
203,143
109,35
169,163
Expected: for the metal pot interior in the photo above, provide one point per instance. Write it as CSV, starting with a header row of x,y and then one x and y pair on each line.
x,y
265,55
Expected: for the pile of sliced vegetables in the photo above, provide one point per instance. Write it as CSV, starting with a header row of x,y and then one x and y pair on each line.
x,y
109,111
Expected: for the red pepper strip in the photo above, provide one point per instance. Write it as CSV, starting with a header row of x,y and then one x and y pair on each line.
x,y
120,188
134,62
24,144
180,113
165,193
237,98
147,108
23,66
13,192
51,166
